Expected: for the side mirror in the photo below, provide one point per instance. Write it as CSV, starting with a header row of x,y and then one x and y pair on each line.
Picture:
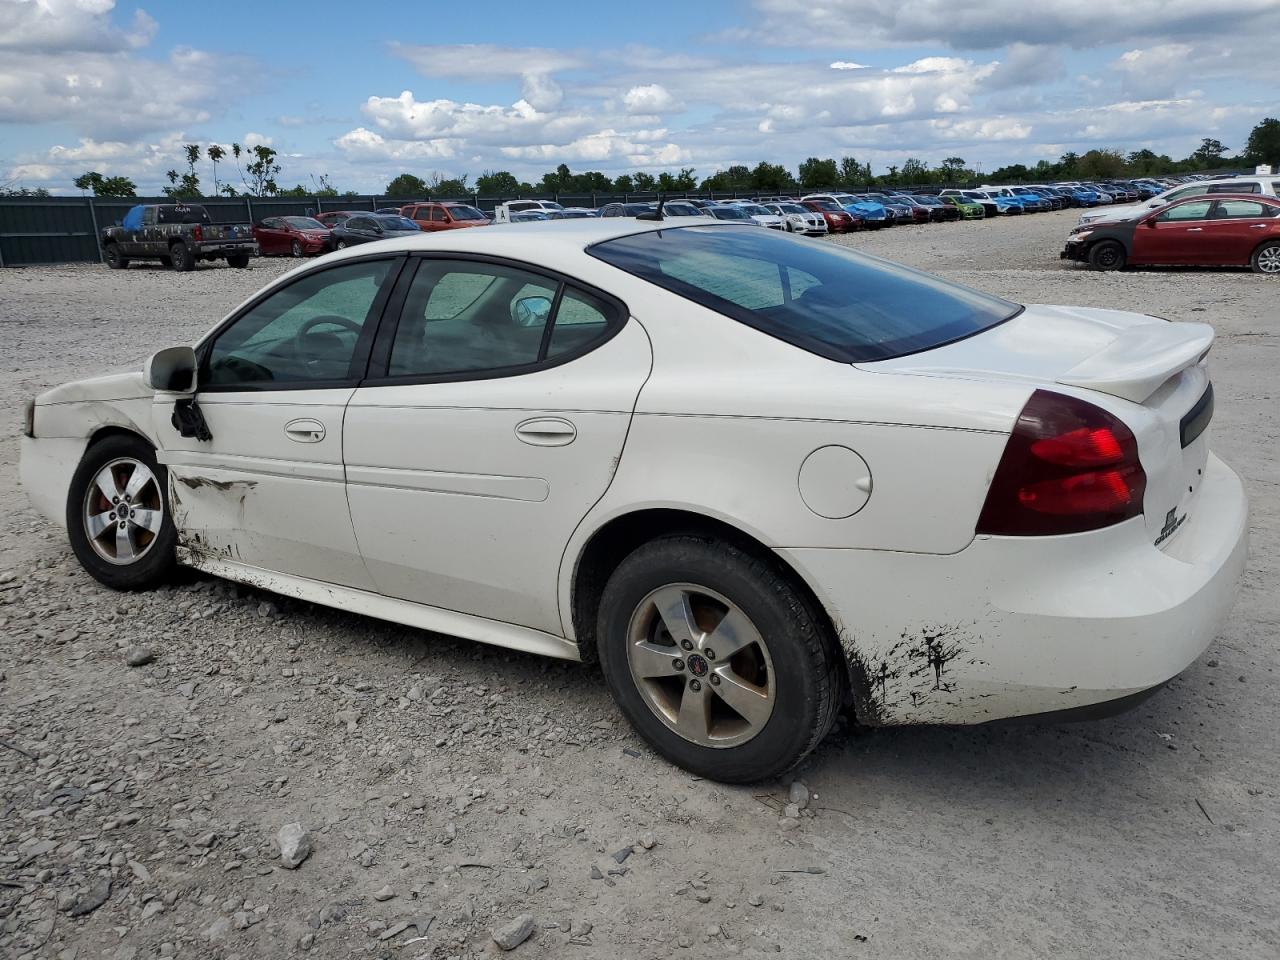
x,y
1149,222
531,311
172,370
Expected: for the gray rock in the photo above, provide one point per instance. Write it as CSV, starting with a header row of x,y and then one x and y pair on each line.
x,y
386,893
791,810
218,929
799,794
513,933
649,840
92,898
295,845
138,656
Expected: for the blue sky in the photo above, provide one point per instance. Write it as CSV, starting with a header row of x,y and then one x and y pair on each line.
x,y
364,91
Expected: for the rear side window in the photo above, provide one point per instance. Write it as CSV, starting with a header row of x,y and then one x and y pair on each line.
x,y
823,298
437,214
1242,209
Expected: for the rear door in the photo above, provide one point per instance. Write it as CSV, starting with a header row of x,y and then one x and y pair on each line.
x,y
1235,227
492,421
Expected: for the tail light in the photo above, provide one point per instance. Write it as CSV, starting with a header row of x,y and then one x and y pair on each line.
x,y
197,234
1068,467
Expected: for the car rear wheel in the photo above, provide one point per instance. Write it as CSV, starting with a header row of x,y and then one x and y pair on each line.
x,y
117,514
1107,255
115,261
341,245
1266,259
181,258
717,659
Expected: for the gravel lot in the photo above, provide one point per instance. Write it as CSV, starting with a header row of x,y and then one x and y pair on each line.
x,y
453,787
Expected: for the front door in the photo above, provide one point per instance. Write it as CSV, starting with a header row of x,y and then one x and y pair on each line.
x,y
499,407
267,490
1174,236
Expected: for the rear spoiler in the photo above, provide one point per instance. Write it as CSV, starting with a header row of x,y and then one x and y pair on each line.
x,y
1138,361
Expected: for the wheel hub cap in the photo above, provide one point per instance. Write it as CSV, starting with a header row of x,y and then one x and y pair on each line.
x,y
701,666
123,511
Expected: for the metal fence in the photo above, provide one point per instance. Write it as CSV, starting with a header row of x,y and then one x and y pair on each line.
x,y
36,230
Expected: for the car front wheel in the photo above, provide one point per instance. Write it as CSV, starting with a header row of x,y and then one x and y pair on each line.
x,y
117,514
717,659
1107,255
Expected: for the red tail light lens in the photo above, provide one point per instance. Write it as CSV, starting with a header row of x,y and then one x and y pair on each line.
x,y
197,234
1068,467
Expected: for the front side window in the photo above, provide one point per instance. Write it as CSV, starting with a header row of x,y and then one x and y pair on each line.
x,y
1191,210
823,298
463,317
306,332
359,223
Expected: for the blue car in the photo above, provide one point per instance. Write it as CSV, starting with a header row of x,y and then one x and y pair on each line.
x,y
1004,203
1082,196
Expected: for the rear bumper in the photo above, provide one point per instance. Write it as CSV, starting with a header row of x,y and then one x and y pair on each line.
x,y
1019,626
228,248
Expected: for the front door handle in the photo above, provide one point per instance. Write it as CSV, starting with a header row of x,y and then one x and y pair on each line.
x,y
1195,229
304,430
1257,226
547,432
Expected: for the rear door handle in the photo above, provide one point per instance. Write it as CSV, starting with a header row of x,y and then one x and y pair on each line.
x,y
1258,226
1195,229
304,430
547,432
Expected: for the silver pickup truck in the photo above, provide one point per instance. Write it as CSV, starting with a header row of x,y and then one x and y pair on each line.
x,y
178,234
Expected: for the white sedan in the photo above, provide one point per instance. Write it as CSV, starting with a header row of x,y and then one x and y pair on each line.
x,y
758,478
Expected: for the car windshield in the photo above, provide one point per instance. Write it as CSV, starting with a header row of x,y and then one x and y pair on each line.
x,y
791,208
757,211
728,213
823,298
304,223
826,205
461,212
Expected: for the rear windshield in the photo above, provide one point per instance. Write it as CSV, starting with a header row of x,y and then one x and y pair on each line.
x,y
304,223
823,298
182,213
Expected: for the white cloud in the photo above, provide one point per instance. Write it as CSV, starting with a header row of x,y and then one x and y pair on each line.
x,y
847,65
45,26
650,98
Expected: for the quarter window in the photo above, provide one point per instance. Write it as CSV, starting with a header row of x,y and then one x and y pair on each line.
x,y
461,317
306,332
1242,210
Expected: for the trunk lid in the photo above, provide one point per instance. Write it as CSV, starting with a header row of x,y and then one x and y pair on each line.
x,y
1149,372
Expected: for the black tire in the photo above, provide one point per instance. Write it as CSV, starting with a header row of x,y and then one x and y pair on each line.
x,y
1266,259
239,261
806,681
157,559
181,258
296,249
1107,255
115,261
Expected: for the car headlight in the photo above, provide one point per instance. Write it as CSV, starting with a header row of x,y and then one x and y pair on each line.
x,y
29,419
1078,234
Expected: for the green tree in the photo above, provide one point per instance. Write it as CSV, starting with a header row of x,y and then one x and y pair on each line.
x,y
185,186
215,154
851,172
1100,165
262,171
952,170
771,176
1264,143
915,171
1209,153
685,179
102,186
497,183
818,174
1014,173
1067,163
297,190
624,184
446,187
406,186
645,182
321,187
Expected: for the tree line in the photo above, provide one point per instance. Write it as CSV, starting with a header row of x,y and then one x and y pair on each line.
x,y
256,169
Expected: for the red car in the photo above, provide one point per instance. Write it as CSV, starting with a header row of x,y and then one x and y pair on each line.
x,y
335,217
1219,230
444,216
838,219
294,236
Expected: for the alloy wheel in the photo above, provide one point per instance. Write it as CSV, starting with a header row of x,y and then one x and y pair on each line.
x,y
700,665
123,511
1269,260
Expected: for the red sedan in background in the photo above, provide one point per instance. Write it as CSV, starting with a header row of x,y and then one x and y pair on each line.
x,y
293,236
838,219
432,217
1221,230
334,217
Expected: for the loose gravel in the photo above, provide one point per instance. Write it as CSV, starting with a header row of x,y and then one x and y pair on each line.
x,y
208,771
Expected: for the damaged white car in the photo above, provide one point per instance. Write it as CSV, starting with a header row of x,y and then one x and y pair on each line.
x,y
758,478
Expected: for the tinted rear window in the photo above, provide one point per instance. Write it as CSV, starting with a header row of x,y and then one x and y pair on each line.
x,y
822,298
182,213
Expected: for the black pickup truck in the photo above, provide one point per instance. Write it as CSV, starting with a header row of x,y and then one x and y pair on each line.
x,y
179,234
